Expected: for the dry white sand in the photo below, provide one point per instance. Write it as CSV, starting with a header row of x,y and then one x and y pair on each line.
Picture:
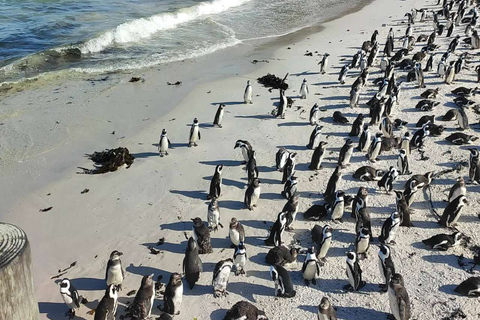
x,y
130,210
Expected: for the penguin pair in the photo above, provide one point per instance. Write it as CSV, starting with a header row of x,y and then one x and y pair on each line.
x,y
322,238
387,180
283,282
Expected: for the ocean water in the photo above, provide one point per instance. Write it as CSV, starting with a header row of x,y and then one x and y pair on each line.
x,y
91,36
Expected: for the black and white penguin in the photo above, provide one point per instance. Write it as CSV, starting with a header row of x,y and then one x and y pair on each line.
x,y
387,127
141,307
283,282
403,209
332,185
375,148
402,162
291,208
314,114
338,207
173,295
247,96
462,118
424,120
281,255
317,157
164,144
114,274
246,149
469,287
236,232
324,63
354,97
282,105
387,268
423,180
290,187
398,297
343,73
221,274
275,237
216,183
107,308
192,264
219,116
419,75
388,178
450,74
252,194
356,59
289,168
314,137
70,296
460,138
240,259
389,229
365,138
194,134
419,136
322,238
213,216
345,153
310,268
359,202
363,220
357,126
281,158
201,234
410,192
474,166
362,243
426,105
443,241
304,89
453,211
252,170
339,117
458,189
326,310
429,65
367,173
244,310
354,273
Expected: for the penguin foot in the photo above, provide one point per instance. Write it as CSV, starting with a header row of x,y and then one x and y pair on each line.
x,y
361,285
314,281
390,317
166,153
219,125
383,288
255,205
70,314
195,145
392,243
189,145
348,288
289,228
307,283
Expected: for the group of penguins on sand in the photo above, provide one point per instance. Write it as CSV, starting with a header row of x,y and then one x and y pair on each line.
x,y
455,14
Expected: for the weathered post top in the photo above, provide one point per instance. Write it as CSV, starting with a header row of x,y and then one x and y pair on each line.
x,y
13,242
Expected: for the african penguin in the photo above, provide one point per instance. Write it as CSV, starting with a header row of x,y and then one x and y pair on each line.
x,y
70,296
345,153
221,274
164,144
389,229
216,183
387,180
246,149
219,116
326,310
141,307
244,310
304,89
362,243
283,282
443,241
192,264
398,297
453,211
310,268
322,238
194,134
317,157
354,273
201,234
275,238
402,162
107,308
236,232
469,287
247,96
365,138
240,259
387,268
114,274
458,189
314,137
213,216
173,295
252,194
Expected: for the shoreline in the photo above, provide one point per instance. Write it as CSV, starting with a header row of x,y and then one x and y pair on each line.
x,y
129,210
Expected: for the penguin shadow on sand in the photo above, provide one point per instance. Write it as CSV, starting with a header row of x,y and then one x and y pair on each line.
x,y
449,289
229,182
55,311
442,259
293,147
293,124
247,290
230,103
259,259
360,313
266,169
218,314
271,196
328,83
168,246
176,226
144,270
310,309
231,204
256,116
226,163
142,155
194,194
337,134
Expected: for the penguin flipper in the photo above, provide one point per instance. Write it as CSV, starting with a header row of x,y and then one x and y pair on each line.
x,y
169,143
199,135
76,299
403,308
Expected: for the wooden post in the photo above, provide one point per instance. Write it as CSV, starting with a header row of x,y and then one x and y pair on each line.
x,y
17,292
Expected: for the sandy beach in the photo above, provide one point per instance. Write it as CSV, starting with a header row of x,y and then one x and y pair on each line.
x,y
130,209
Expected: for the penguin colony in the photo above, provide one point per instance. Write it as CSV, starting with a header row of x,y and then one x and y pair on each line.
x,y
373,136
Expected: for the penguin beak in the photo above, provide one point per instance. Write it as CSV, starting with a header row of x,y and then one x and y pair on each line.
x,y
120,253
150,276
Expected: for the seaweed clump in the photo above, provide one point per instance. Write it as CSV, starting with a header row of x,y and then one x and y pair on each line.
x,y
109,160
272,81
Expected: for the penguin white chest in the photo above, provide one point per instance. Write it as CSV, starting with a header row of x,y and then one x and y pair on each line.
x,y
220,282
322,252
350,275
177,297
194,137
213,217
163,144
362,245
220,116
68,301
310,271
338,210
380,266
115,275
245,154
240,260
348,155
234,236
255,195
393,303
392,232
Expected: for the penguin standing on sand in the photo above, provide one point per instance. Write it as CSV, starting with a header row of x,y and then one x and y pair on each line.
x,y
70,296
362,243
283,282
315,137
387,127
221,273
247,96
281,105
192,264
419,75
403,209
345,153
213,215
236,232
389,229
291,208
289,167
387,268
201,234
332,185
326,310
354,273
322,238
240,259
314,114
141,307
398,297
375,148
290,187
194,134
406,142
458,189
402,162
324,63
450,74
387,180
474,166
246,149
365,138
452,212
343,73
252,170
357,126
173,295
252,194
354,97
410,192
114,274
310,268
219,116
164,144
304,89
338,207
275,238
317,157
363,220
281,158
216,183
360,201
107,308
